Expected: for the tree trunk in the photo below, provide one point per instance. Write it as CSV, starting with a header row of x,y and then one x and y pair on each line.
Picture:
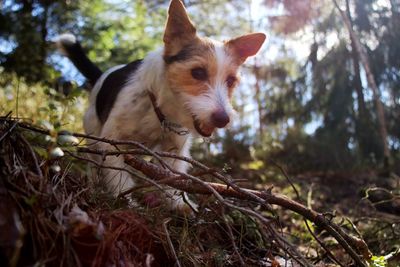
x,y
43,34
372,84
256,72
394,27
356,69
363,117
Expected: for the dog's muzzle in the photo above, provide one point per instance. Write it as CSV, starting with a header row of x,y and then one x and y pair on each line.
x,y
218,119
203,130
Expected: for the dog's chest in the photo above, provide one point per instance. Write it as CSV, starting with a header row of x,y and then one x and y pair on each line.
x,y
159,138
162,140
136,120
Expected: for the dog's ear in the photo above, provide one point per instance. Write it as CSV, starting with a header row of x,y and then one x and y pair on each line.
x,y
246,45
179,30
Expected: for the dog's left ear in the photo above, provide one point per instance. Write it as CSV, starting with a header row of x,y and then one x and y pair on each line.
x,y
179,30
246,45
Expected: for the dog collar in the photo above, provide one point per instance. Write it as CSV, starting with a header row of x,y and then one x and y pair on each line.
x,y
165,124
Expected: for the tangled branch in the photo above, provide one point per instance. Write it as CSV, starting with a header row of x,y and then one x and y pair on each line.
x,y
226,191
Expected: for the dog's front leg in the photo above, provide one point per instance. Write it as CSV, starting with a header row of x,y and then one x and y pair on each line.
x,y
178,200
115,173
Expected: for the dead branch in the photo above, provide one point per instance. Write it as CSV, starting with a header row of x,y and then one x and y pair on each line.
x,y
169,241
200,187
164,174
328,252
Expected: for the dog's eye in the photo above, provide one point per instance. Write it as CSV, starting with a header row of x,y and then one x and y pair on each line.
x,y
230,81
200,74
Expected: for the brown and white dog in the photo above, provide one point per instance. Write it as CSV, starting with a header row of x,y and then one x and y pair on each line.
x,y
182,90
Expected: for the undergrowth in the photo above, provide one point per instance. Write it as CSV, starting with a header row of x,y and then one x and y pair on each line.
x,y
54,212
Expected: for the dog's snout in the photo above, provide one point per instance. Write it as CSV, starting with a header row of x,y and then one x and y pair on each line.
x,y
220,118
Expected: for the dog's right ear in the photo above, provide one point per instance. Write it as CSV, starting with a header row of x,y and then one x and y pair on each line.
x,y
179,30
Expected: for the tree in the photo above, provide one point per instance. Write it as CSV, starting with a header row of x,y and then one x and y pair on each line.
x,y
332,73
25,30
359,49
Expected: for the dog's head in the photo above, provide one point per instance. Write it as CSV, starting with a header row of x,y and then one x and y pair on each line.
x,y
204,72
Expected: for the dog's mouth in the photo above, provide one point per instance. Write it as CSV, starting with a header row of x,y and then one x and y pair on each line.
x,y
203,129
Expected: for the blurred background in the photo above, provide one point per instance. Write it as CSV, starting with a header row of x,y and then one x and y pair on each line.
x,y
305,100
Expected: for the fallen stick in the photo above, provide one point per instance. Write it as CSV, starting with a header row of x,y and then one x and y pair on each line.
x,y
182,182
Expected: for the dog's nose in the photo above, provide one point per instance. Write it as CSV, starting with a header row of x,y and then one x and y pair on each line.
x,y
219,118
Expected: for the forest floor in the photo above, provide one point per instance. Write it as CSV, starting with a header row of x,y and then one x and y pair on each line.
x,y
52,214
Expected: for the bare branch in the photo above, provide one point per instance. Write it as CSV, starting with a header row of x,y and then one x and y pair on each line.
x,y
219,190
166,175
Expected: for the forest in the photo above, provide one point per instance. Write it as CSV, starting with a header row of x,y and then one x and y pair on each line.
x,y
307,174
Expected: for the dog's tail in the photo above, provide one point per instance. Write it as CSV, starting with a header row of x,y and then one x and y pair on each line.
x,y
71,48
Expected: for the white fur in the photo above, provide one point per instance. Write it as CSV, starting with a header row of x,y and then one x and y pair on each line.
x,y
65,39
139,122
133,117
216,98
221,89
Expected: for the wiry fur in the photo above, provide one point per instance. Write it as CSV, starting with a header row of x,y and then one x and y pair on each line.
x,y
182,98
217,94
133,118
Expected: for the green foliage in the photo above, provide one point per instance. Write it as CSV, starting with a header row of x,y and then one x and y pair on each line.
x,y
383,261
378,261
43,105
119,32
114,33
25,34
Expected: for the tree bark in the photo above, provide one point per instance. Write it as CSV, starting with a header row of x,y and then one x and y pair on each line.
x,y
43,34
256,72
372,84
356,69
363,117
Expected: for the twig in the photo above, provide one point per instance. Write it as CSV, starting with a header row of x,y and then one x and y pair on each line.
x,y
193,184
171,246
158,157
328,252
38,169
152,171
118,169
8,131
232,238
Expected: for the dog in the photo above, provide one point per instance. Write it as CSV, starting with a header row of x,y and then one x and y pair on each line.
x,y
181,90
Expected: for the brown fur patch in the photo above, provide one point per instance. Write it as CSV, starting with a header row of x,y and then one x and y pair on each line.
x,y
179,30
197,47
200,54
